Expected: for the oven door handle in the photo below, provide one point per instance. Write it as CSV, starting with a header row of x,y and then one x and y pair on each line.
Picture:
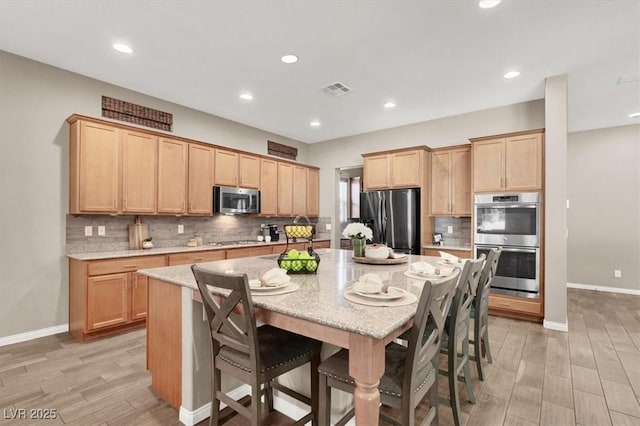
x,y
519,250
508,206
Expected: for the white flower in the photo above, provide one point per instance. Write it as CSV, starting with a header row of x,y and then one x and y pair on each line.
x,y
357,230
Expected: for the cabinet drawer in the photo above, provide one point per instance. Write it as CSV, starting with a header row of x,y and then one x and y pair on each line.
x,y
516,304
127,264
463,254
201,256
248,252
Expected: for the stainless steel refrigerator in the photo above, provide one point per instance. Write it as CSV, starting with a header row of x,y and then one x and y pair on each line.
x,y
394,217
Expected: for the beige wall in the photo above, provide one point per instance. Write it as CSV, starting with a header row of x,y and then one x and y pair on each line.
x,y
604,215
35,100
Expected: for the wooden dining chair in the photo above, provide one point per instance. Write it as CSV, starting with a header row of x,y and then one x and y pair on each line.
x,y
456,342
480,312
410,371
255,355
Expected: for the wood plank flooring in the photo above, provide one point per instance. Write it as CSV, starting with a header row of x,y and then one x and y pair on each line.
x,y
589,376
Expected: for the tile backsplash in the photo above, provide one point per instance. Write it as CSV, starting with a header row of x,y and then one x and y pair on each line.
x,y
164,230
461,235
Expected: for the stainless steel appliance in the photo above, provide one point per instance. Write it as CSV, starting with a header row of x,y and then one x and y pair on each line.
x,y
231,200
394,217
512,222
273,232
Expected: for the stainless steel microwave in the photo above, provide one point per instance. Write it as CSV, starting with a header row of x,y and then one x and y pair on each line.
x,y
231,200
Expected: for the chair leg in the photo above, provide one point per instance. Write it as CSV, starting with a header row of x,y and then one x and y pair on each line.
x,y
485,339
315,386
214,417
477,346
467,370
269,395
434,401
454,398
324,409
256,403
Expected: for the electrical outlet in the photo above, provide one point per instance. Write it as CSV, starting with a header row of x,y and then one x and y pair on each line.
x,y
450,229
180,229
88,231
617,273
327,227
102,231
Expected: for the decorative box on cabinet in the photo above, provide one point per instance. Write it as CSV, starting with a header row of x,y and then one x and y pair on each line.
x,y
512,162
107,296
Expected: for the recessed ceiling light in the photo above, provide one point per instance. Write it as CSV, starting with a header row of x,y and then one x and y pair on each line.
x,y
246,96
314,123
122,48
289,59
488,4
389,105
512,74
634,115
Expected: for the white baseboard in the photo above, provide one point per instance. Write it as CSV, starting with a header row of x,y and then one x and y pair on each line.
x,y
30,335
191,418
604,288
559,326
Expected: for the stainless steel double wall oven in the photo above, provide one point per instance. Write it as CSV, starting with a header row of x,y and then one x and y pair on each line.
x,y
512,222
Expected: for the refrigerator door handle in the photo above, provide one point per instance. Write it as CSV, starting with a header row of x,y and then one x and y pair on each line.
x,y
383,213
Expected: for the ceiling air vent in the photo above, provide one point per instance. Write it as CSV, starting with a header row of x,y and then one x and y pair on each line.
x,y
336,89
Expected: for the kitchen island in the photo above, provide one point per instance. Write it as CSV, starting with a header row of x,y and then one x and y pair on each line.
x,y
178,354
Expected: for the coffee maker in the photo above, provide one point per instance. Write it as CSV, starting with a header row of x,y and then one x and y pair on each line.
x,y
273,232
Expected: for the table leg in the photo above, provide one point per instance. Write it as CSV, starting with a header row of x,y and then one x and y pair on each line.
x,y
366,366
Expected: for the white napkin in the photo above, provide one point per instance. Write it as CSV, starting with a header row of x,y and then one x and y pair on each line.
x,y
368,283
449,257
274,277
422,268
394,255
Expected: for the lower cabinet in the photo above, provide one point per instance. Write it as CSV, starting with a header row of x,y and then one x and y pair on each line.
x,y
107,296
516,307
463,254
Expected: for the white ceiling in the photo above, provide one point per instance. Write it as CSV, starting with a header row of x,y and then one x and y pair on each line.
x,y
433,58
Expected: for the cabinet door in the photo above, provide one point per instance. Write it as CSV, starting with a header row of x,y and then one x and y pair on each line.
x,y
197,257
139,159
285,189
98,164
249,251
226,168
268,187
441,183
299,190
376,172
172,176
249,171
461,182
139,284
107,301
405,169
523,165
200,186
488,165
313,192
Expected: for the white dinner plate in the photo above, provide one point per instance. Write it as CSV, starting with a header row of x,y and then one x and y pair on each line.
x,y
255,285
449,263
423,276
392,293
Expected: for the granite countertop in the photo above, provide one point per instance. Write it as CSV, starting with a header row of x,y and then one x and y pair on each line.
x,y
170,250
320,298
448,247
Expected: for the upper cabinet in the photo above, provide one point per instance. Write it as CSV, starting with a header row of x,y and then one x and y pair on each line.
x,y
451,182
237,169
508,162
285,189
398,169
268,187
249,171
201,163
313,192
139,162
172,176
299,190
94,164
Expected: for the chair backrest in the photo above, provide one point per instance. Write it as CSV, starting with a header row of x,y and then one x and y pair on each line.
x,y
486,277
465,292
428,325
223,329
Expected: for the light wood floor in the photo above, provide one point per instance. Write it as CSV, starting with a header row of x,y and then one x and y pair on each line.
x,y
589,376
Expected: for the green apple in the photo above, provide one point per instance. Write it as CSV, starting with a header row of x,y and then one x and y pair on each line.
x,y
293,254
296,265
285,264
312,265
305,255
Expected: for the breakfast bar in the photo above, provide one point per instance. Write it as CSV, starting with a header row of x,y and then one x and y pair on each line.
x,y
178,354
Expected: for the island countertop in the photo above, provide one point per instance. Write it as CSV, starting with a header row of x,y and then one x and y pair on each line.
x,y
320,298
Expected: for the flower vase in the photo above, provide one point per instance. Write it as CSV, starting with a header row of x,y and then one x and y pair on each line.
x,y
358,246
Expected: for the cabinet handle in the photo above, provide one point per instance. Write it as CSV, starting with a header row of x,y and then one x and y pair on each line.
x,y
195,259
505,182
125,203
115,203
131,266
190,206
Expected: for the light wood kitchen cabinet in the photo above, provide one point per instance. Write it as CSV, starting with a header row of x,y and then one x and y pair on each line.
x,y
196,257
172,176
299,190
226,168
94,164
249,251
268,187
107,296
451,182
462,254
285,189
508,162
139,161
201,160
249,171
313,192
398,169
516,307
